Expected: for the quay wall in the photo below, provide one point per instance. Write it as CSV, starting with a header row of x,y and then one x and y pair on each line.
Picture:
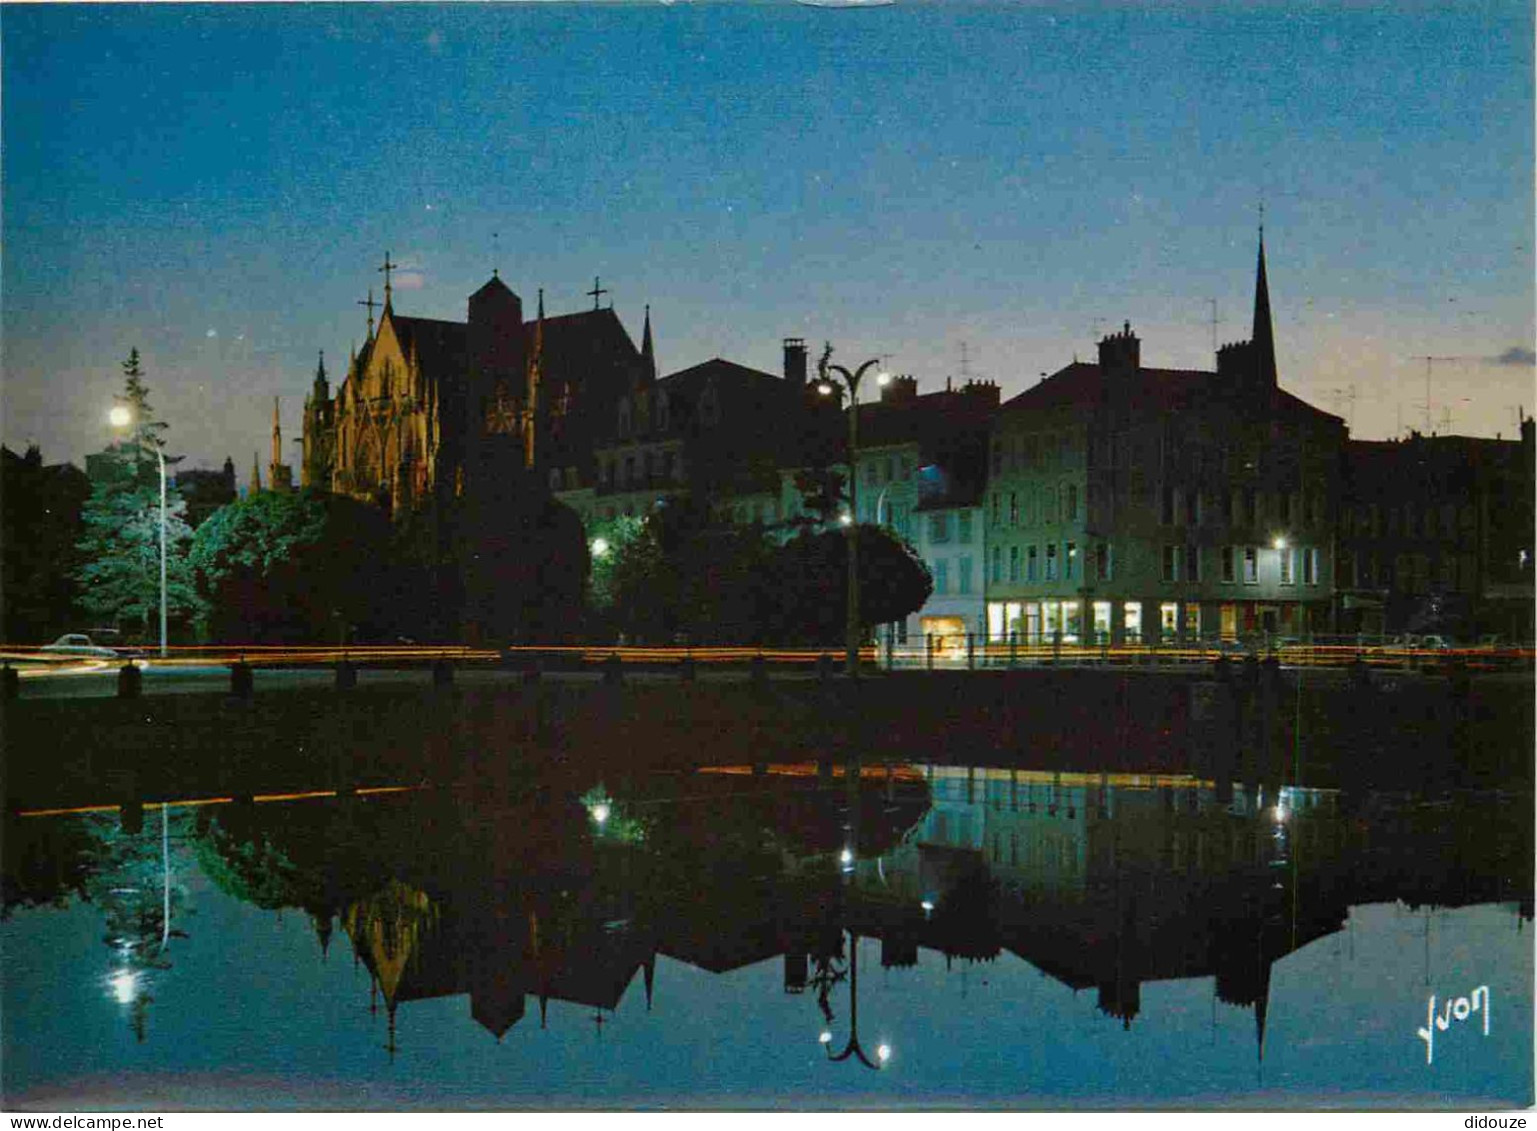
x,y
1313,728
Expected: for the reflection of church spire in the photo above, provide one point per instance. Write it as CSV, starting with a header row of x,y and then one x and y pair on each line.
x,y
321,920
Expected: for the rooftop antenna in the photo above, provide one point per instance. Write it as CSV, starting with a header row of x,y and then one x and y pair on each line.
x,y
1429,361
965,364
1214,322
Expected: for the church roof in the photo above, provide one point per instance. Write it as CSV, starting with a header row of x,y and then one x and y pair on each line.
x,y
441,347
1085,383
577,337
493,285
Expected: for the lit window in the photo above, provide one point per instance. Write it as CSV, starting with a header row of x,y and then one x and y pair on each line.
x,y
1251,565
1051,561
1071,554
1288,565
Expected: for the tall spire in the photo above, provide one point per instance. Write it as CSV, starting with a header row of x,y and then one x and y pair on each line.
x,y
647,353
1263,336
256,474
277,438
535,376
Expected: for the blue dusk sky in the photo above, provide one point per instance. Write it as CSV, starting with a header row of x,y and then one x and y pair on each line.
x,y
216,185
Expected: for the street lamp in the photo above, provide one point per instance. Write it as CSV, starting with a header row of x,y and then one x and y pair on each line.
x,y
121,417
825,387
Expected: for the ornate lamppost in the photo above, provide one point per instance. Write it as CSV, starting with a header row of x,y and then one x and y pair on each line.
x,y
825,387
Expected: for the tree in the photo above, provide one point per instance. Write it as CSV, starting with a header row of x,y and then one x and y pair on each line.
x,y
40,509
120,543
297,566
809,581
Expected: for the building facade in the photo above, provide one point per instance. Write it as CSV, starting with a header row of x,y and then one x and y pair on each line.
x,y
1128,503
1435,537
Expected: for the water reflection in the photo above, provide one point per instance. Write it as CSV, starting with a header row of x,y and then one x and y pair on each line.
x,y
517,901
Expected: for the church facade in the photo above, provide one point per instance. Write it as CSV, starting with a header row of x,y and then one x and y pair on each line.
x,y
432,410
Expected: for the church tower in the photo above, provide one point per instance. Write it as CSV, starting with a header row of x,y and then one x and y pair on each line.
x,y
280,476
315,471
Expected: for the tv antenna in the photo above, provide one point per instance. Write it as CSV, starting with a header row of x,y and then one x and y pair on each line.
x,y
1430,361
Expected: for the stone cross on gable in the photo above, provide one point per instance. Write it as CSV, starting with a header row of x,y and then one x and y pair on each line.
x,y
387,268
370,303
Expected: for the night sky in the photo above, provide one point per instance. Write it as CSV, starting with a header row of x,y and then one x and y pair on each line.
x,y
216,186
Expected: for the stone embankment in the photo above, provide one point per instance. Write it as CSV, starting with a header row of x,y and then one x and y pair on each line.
x,y
1265,726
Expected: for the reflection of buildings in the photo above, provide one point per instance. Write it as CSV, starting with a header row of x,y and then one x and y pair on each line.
x,y
1103,883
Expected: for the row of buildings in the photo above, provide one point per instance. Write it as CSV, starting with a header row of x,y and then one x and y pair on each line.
x,y
1111,501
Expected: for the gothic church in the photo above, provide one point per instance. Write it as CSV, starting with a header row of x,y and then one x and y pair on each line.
x,y
432,411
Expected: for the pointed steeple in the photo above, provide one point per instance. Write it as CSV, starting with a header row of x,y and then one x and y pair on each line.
x,y
277,439
647,352
256,473
535,377
322,388
1263,336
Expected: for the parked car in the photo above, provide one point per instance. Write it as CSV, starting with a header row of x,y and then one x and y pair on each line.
x,y
79,644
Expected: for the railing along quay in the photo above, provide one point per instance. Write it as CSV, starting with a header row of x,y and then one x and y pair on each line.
x,y
955,652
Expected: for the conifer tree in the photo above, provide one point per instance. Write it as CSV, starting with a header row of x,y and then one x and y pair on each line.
x,y
120,542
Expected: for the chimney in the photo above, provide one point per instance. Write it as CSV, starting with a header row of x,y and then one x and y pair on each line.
x,y
795,361
1236,361
985,392
1120,352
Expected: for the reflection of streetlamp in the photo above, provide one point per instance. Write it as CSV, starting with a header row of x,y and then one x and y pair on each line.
x,y
121,417
853,1048
825,387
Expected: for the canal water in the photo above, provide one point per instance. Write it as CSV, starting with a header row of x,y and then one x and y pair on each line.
x,y
913,937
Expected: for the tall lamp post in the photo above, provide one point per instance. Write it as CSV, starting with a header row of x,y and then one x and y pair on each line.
x,y
121,417
825,387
